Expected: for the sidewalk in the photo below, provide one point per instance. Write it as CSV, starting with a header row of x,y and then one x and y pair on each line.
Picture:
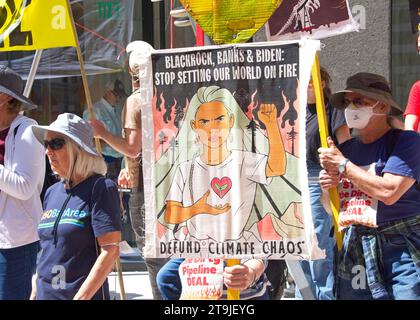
x,y
135,278
136,285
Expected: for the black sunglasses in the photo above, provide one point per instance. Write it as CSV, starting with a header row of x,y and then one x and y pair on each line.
x,y
55,144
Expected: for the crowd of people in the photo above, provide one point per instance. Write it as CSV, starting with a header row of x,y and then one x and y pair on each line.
x,y
63,245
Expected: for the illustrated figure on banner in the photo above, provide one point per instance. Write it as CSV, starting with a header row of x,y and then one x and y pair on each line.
x,y
213,191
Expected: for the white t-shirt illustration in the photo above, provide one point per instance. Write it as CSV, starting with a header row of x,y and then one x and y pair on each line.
x,y
233,182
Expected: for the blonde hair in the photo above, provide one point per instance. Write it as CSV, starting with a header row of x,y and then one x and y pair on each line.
x,y
81,163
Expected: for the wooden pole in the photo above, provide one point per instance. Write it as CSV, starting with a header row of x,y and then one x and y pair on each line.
x,y
323,132
120,279
92,116
84,76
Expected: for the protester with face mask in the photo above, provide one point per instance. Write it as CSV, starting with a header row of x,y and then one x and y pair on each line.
x,y
319,273
376,173
22,170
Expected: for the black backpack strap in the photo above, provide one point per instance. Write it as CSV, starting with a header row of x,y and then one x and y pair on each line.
x,y
16,130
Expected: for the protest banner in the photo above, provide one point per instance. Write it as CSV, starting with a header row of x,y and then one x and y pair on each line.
x,y
315,19
202,279
222,178
31,25
356,207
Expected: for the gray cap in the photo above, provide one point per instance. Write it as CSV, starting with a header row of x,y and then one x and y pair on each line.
x,y
73,127
369,85
12,84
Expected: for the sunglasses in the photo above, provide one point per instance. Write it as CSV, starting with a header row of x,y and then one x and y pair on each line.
x,y
55,144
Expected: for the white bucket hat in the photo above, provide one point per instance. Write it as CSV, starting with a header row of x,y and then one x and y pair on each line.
x,y
73,127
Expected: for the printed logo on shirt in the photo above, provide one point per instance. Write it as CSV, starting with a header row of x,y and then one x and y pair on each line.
x,y
69,217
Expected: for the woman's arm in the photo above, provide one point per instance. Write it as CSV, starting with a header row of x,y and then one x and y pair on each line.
x,y
23,180
109,244
276,164
129,146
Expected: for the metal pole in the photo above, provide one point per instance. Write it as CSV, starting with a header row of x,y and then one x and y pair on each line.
x,y
302,284
32,73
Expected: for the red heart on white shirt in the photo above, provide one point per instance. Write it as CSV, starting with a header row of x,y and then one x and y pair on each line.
x,y
221,186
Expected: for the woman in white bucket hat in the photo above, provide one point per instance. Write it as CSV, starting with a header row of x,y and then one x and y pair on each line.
x,y
80,229
22,169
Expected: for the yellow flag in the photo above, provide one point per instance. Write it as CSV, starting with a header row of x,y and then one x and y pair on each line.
x,y
230,21
35,24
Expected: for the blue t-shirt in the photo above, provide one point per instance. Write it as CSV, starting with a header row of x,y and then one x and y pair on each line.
x,y
404,160
92,210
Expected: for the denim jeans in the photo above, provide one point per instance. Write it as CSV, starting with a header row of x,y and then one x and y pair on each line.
x,y
17,266
153,265
168,280
400,274
319,273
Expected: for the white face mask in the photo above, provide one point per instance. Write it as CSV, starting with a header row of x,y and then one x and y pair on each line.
x,y
358,117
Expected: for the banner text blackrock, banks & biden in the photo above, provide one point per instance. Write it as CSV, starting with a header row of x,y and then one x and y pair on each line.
x,y
232,248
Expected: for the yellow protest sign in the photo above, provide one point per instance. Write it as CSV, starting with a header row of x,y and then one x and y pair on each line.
x,y
35,24
230,21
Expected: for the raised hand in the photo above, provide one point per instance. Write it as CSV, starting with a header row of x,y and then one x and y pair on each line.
x,y
125,179
268,114
98,128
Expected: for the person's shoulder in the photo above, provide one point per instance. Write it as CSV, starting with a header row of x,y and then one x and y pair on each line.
x,y
133,102
58,186
347,144
55,188
409,136
24,123
134,96
99,181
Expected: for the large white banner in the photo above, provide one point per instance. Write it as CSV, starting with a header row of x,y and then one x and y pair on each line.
x,y
224,151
